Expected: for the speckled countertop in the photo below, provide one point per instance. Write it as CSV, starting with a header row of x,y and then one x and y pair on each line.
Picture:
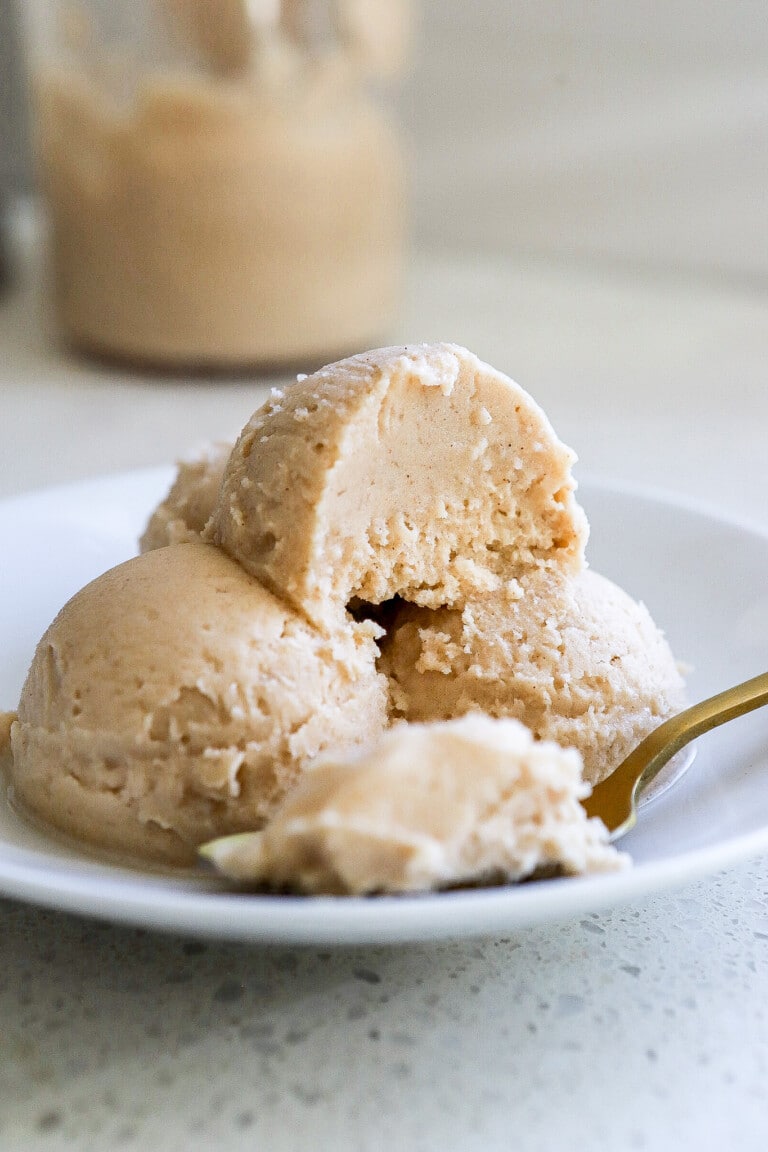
x,y
642,1028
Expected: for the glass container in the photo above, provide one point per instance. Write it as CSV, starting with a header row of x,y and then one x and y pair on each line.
x,y
222,189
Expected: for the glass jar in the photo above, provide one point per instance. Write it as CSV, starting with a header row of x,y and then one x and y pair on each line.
x,y
223,192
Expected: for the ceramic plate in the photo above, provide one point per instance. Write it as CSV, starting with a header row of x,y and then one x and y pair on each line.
x,y
704,580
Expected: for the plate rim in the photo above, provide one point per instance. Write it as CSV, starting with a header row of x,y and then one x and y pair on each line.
x,y
126,898
380,920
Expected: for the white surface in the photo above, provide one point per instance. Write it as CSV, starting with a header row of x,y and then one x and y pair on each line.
x,y
716,816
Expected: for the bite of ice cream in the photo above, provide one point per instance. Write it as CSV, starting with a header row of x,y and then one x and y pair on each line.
x,y
428,806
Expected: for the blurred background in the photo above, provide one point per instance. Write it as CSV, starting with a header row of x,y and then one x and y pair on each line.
x,y
601,130
14,158
598,130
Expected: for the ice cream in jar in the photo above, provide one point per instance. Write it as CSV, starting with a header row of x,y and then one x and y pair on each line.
x,y
223,192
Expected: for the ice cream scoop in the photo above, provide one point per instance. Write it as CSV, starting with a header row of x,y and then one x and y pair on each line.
x,y
417,472
174,699
183,514
574,658
427,806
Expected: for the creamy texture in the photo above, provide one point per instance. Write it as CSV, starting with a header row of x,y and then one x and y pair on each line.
x,y
174,699
419,472
468,801
185,511
213,224
574,658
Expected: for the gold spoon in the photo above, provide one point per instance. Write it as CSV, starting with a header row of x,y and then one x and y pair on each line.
x,y
614,800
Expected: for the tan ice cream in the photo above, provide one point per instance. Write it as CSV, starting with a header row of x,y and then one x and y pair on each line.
x,y
185,511
427,806
200,691
174,699
574,658
418,471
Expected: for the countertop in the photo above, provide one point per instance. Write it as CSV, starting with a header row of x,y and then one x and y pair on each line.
x,y
640,1028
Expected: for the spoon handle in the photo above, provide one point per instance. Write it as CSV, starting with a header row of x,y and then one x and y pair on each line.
x,y
614,799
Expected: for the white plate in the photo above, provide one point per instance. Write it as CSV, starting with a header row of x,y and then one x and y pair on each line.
x,y
704,580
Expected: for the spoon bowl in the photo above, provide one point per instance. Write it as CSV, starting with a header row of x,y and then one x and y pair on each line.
x,y
615,799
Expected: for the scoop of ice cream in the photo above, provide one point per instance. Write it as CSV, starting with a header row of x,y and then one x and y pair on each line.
x,y
175,699
417,471
185,511
427,806
574,658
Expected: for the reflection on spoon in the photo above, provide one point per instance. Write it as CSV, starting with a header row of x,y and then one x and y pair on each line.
x,y
615,799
